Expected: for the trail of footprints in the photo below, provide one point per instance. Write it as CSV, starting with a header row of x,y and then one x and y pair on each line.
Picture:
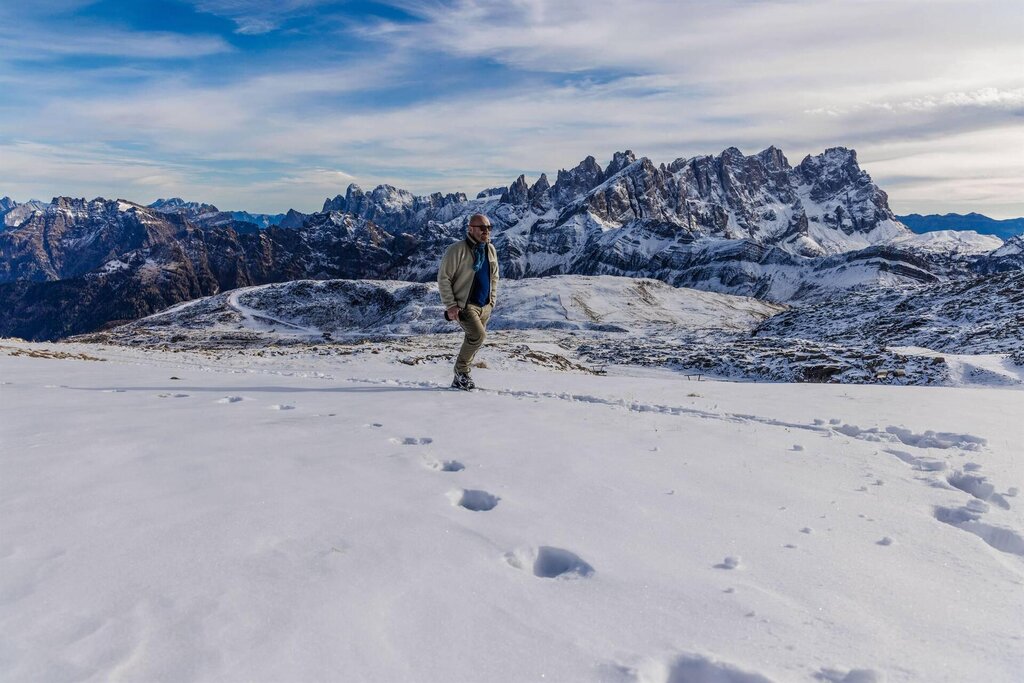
x,y
970,516
545,562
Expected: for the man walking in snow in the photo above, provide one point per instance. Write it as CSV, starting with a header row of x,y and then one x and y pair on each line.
x,y
468,282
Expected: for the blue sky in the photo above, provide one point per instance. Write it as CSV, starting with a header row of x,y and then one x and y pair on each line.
x,y
266,106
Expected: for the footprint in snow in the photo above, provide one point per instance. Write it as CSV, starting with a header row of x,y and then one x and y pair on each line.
x,y
172,395
373,425
473,499
412,441
923,464
730,562
968,518
851,676
282,406
698,668
230,399
445,465
548,562
977,486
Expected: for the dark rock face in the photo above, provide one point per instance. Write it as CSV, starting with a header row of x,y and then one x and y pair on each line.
x,y
751,225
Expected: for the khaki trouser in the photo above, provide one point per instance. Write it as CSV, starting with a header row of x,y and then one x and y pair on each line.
x,y
474,321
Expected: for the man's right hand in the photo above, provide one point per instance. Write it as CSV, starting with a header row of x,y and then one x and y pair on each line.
x,y
453,313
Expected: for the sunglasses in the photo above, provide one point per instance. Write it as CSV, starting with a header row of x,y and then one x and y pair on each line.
x,y
483,227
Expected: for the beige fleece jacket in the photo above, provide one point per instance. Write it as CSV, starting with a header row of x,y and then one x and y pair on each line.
x,y
455,276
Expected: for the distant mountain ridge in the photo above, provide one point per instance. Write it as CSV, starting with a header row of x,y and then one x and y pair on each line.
x,y
748,225
1004,229
209,215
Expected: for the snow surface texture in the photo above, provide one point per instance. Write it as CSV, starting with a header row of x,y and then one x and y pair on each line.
x,y
161,521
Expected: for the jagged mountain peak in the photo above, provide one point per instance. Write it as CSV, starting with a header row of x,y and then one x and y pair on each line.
x,y
179,205
839,158
541,185
732,153
517,192
620,160
584,177
774,158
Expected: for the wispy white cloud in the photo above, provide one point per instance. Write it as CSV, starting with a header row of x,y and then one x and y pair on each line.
x,y
112,43
254,17
41,171
1008,100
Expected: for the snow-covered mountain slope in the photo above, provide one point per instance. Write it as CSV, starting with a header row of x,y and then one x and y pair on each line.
x,y
1008,257
953,242
307,309
328,513
13,214
978,315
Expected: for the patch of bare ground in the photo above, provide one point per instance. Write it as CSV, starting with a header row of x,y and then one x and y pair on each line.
x,y
43,353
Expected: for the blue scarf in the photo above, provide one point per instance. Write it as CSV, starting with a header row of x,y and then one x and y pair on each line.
x,y
479,256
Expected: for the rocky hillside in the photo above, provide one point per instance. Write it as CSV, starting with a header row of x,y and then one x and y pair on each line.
x,y
588,323
967,316
309,310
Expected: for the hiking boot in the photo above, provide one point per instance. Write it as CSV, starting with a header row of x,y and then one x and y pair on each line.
x,y
463,381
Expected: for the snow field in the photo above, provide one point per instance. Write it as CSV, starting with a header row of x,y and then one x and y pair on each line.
x,y
553,526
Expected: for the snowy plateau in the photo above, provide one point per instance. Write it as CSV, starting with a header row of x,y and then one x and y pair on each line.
x,y
275,484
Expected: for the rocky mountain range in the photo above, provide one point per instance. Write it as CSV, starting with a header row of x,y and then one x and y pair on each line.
x,y
749,225
207,215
